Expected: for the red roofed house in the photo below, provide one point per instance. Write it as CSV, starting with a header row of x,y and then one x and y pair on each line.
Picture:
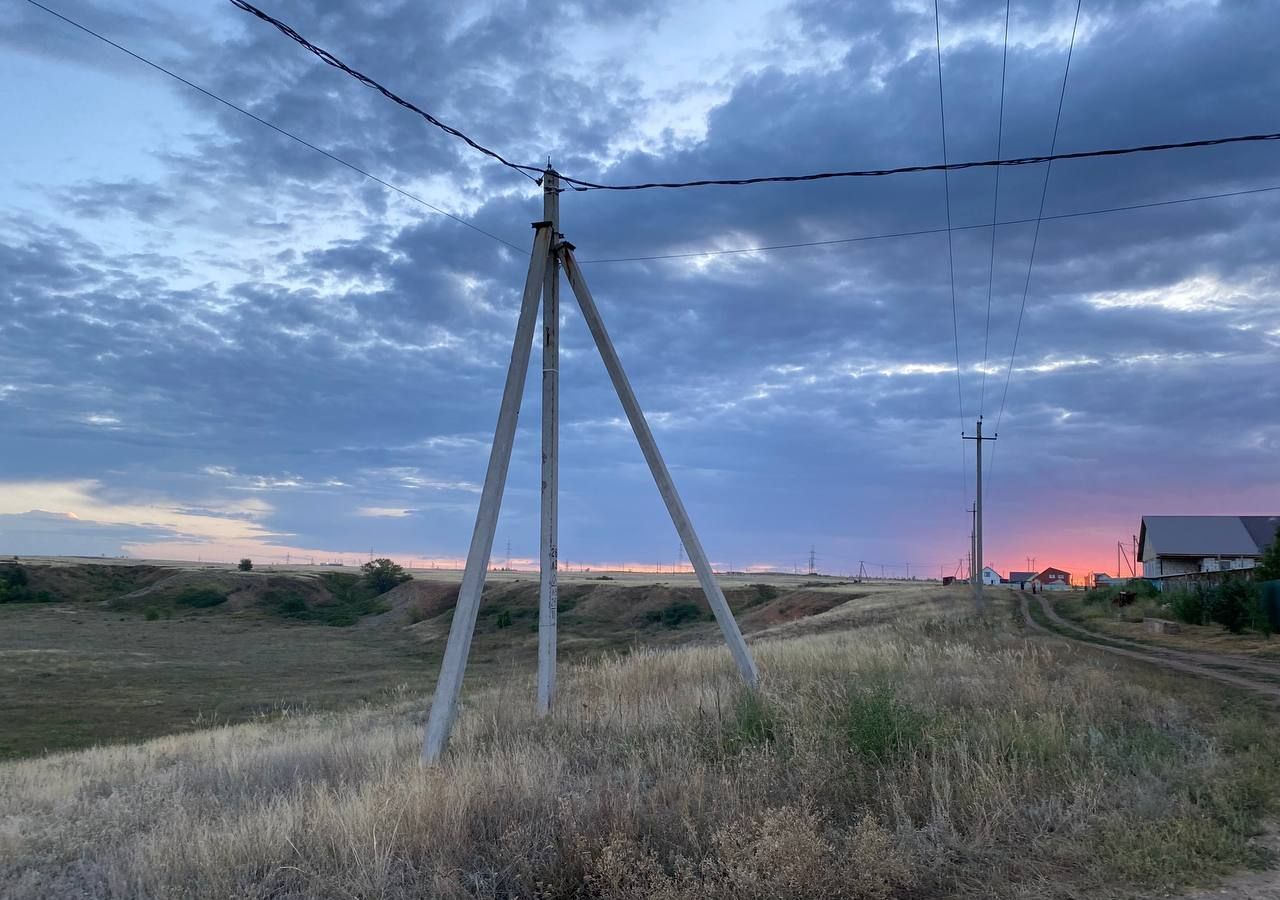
x,y
1052,579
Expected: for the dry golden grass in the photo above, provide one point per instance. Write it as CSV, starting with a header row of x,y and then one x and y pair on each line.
x,y
932,757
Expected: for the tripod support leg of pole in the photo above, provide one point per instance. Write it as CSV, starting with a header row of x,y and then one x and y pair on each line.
x,y
449,686
666,487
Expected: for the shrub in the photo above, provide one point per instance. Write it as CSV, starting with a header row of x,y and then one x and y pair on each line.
x,y
504,619
1100,596
351,599
13,586
1230,605
1189,606
1269,566
1141,588
201,597
765,592
381,575
14,576
675,614
152,614
246,565
286,603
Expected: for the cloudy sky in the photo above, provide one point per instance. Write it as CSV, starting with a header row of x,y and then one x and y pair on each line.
x,y
217,342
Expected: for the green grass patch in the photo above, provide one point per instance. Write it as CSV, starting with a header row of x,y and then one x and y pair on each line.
x,y
752,722
879,726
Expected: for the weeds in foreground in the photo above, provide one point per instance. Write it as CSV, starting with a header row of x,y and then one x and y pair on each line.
x,y
934,759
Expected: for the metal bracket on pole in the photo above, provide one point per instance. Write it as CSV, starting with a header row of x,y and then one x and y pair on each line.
x,y
666,486
449,686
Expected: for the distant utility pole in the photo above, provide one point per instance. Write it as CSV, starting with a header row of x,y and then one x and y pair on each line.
x,y
973,530
978,599
813,560
508,554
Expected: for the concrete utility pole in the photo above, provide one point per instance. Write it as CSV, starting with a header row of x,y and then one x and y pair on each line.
x,y
978,565
549,561
445,704
551,251
973,530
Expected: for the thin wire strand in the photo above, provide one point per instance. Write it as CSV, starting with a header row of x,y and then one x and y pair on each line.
x,y
995,214
1035,238
951,262
923,231
329,59
276,128
579,184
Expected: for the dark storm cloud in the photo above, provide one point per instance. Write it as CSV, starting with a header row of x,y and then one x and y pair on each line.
x,y
766,375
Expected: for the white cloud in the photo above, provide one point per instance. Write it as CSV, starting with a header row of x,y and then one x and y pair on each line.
x,y
384,512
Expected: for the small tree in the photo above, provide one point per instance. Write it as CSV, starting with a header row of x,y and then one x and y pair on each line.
x,y
381,575
1269,565
246,565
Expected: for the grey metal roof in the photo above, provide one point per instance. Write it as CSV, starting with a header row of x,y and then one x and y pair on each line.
x,y
1262,529
1204,535
1021,576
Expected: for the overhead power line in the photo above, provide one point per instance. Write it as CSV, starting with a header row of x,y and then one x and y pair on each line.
x,y
995,213
1035,238
579,184
276,128
329,59
951,256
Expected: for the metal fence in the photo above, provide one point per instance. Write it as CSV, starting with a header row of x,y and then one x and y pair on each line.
x,y
1206,580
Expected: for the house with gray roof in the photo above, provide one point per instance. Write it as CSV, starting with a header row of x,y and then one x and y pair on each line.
x,y
1182,545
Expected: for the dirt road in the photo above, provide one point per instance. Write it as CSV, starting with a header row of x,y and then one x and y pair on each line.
x,y
1258,677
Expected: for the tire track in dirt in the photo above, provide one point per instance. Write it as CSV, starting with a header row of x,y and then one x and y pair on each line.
x,y
1204,665
1231,661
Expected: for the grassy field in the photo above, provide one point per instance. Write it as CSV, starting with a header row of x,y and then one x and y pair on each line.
x,y
125,655
73,676
895,749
